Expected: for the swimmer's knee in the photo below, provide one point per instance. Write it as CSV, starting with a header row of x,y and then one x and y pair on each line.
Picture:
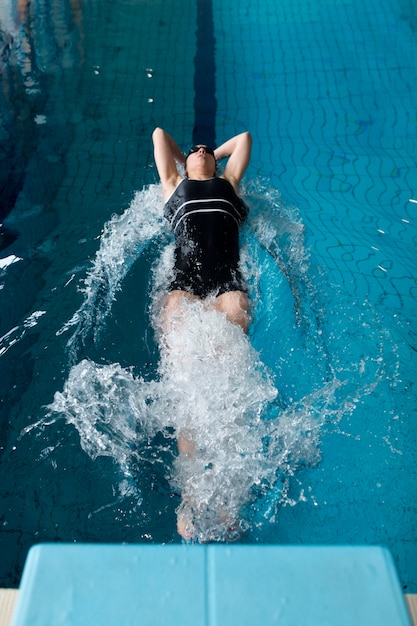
x,y
173,298
171,307
239,317
235,304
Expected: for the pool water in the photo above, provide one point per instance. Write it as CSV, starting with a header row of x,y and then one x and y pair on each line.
x,y
319,401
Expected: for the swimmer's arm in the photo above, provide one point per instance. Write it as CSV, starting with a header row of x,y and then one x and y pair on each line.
x,y
167,154
238,150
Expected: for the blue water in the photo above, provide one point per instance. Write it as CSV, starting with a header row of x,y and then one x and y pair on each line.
x,y
323,413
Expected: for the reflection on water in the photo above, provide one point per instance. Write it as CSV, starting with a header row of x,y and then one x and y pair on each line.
x,y
36,46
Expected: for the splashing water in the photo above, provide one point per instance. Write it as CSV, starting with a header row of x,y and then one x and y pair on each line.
x,y
212,390
223,402
245,436
124,239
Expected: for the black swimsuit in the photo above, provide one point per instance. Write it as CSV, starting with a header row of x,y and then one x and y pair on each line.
x,y
205,216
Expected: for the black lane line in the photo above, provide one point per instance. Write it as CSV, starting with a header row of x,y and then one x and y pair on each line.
x,y
205,103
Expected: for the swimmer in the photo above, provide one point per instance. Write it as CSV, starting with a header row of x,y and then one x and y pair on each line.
x,y
205,213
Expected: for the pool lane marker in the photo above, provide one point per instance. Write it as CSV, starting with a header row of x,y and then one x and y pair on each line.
x,y
205,103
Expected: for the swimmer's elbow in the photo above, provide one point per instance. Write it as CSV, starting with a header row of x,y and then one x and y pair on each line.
x,y
244,140
156,132
248,137
159,138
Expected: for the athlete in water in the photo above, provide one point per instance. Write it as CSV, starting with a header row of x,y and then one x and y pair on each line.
x,y
205,212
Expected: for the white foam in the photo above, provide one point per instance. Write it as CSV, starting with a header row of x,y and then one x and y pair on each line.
x,y
5,262
123,239
16,334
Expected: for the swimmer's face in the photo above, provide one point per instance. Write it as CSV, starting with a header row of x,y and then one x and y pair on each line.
x,y
201,153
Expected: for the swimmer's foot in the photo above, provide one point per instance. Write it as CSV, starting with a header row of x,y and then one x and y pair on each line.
x,y
234,533
185,522
233,529
190,528
185,528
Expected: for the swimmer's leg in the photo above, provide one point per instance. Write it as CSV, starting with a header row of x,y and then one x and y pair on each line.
x,y
186,446
172,319
185,519
190,517
236,306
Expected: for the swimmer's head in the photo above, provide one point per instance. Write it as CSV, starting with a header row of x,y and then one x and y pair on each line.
x,y
196,150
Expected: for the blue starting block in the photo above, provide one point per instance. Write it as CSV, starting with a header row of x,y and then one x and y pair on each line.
x,y
215,585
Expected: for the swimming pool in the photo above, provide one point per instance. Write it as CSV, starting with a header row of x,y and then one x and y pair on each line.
x,y
327,90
